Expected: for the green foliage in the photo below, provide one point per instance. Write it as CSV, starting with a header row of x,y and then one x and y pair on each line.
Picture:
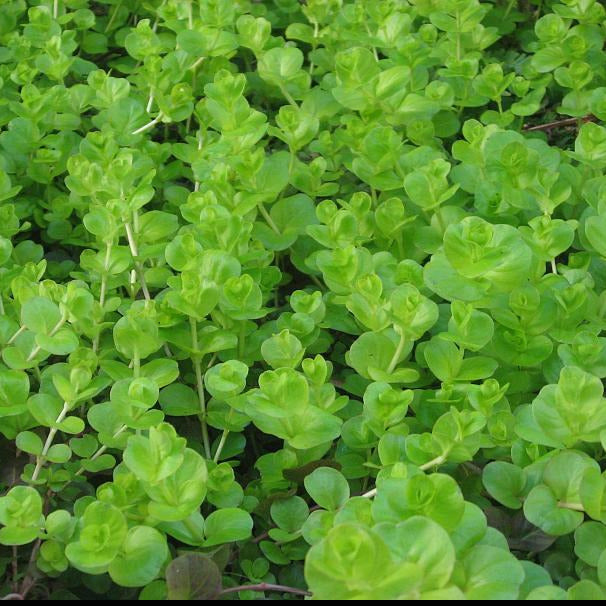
x,y
303,298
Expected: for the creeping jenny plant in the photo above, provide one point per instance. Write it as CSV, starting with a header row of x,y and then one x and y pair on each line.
x,y
303,299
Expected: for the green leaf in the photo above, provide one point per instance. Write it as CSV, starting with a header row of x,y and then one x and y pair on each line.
x,y
506,483
227,526
290,514
328,488
29,442
143,554
491,573
40,315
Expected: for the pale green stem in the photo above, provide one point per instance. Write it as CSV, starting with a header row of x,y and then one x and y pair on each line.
x,y
52,333
242,339
288,96
103,290
136,364
16,335
135,254
316,32
267,218
396,356
221,445
149,125
40,460
200,387
197,63
572,506
111,19
102,450
433,463
191,527
200,143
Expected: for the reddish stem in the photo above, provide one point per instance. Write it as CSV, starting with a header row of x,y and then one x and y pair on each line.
x,y
266,587
557,123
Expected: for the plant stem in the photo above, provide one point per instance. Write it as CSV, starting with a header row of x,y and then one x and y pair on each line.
x,y
136,364
572,506
266,587
16,335
554,268
102,293
557,123
314,45
437,461
242,339
288,96
40,460
150,102
111,19
190,526
55,9
135,254
15,568
291,163
197,63
52,333
102,450
200,143
221,446
434,462
268,218
200,387
396,355
149,125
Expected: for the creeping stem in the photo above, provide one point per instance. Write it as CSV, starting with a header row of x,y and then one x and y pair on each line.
x,y
200,387
433,463
40,460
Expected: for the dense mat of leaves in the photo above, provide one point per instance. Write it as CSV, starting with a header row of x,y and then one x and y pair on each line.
x,y
303,298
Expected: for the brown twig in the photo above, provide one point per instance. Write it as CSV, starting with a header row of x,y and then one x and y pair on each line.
x,y
266,587
15,568
559,123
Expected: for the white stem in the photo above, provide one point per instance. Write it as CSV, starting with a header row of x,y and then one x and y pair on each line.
x,y
102,450
221,445
16,335
55,9
103,289
396,356
135,254
437,461
52,333
197,183
200,387
148,126
49,442
197,63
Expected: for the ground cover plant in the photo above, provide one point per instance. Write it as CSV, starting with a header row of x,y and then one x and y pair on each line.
x,y
302,299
